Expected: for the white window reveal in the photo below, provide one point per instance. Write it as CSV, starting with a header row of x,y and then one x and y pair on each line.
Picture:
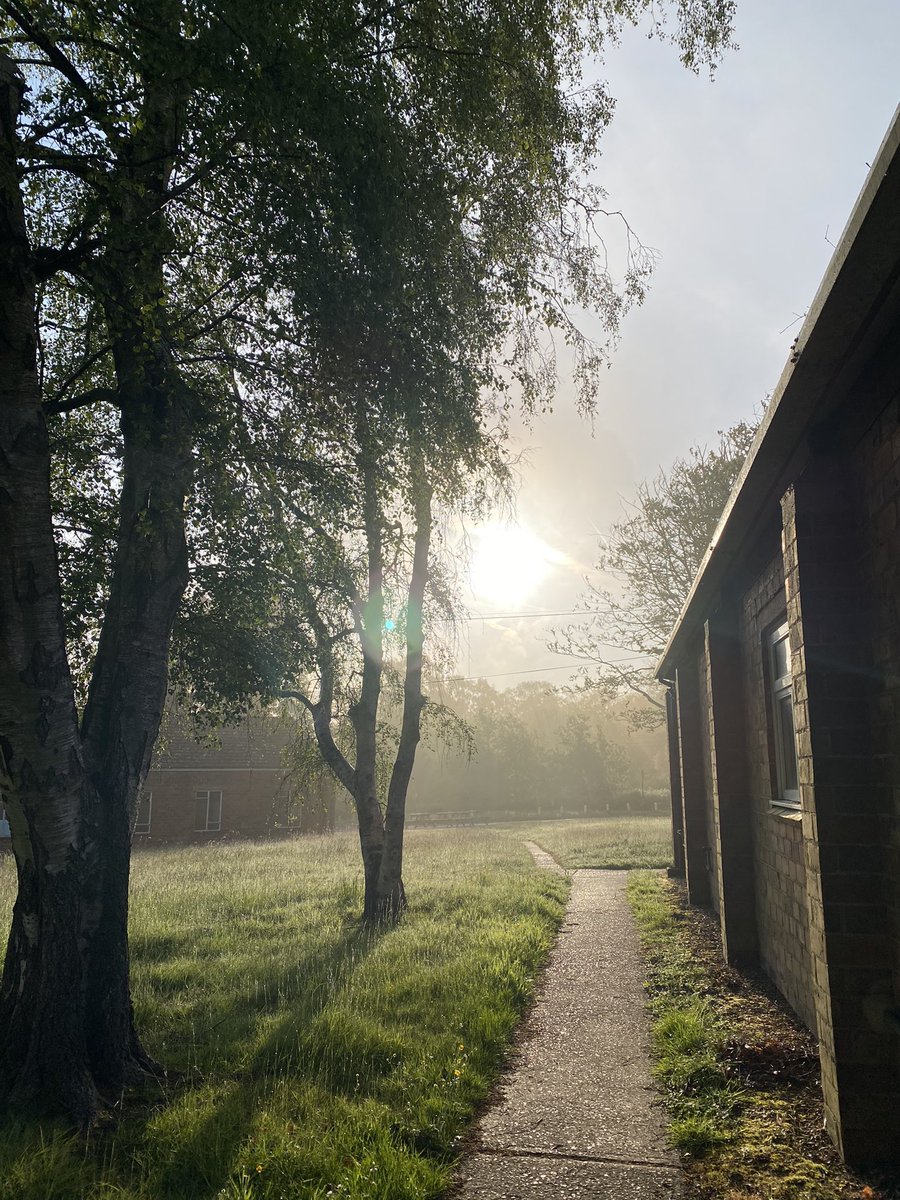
x,y
781,676
208,812
145,807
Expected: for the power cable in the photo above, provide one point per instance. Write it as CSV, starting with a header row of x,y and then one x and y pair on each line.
x,y
525,671
579,612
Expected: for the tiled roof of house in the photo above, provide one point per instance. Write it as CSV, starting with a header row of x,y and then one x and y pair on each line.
x,y
257,743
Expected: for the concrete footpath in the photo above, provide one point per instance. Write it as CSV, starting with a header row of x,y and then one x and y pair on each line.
x,y
579,1117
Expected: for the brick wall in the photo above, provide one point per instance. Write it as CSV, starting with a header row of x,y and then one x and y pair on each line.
x,y
820,899
838,681
253,804
729,794
780,874
877,465
710,809
693,737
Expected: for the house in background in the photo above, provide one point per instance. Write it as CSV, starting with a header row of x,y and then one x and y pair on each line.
x,y
784,676
237,784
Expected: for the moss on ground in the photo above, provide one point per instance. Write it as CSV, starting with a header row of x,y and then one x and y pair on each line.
x,y
738,1074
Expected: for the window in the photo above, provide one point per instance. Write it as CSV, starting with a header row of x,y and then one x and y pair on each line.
x,y
208,818
787,791
142,821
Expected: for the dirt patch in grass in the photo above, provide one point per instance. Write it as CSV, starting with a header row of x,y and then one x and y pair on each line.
x,y
747,1111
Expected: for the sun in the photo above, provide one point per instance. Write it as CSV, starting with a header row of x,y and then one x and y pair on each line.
x,y
509,563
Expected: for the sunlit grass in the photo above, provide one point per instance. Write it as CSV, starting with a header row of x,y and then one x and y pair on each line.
x,y
687,1034
320,1059
610,842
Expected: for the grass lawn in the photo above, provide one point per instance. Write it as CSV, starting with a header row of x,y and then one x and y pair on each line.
x,y
610,842
321,1060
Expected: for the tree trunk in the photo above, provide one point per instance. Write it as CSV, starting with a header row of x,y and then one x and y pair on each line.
x,y
130,676
384,898
65,1006
364,713
43,1050
391,893
130,679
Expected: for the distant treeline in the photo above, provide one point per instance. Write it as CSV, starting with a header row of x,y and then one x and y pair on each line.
x,y
533,750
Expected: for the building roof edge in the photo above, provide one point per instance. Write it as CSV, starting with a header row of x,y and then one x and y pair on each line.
x,y
862,271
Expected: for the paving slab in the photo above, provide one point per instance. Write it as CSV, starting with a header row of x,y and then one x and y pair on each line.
x,y
504,1177
543,859
578,1114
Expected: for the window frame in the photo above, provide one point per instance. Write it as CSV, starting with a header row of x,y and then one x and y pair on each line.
x,y
199,794
142,827
780,688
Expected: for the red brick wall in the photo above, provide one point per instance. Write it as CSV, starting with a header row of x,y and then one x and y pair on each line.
x,y
254,804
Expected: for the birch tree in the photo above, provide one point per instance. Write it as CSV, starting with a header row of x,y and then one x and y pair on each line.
x,y
177,198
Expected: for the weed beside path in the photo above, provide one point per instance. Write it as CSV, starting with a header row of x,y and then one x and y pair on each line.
x,y
614,843
321,1060
739,1075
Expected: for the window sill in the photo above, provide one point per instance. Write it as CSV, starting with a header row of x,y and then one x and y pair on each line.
x,y
785,813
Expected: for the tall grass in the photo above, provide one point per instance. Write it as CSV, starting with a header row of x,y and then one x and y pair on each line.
x,y
319,1059
610,842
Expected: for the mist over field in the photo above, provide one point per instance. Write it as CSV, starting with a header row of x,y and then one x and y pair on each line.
x,y
535,751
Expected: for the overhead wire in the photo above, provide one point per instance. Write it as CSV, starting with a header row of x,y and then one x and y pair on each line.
x,y
527,670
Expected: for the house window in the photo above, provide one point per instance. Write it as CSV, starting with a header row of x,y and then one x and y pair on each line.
x,y
208,818
142,821
781,681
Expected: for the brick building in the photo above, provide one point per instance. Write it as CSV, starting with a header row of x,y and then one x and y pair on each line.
x,y
235,785
784,686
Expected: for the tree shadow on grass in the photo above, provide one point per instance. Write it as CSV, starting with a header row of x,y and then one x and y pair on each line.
x,y
208,1119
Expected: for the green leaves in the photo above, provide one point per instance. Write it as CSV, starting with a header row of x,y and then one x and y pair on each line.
x,y
308,214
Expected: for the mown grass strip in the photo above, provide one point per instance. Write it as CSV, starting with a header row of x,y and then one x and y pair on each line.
x,y
320,1059
737,1074
688,1036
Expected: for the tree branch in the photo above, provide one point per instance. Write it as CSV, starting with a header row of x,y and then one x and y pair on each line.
x,y
59,60
46,262
97,395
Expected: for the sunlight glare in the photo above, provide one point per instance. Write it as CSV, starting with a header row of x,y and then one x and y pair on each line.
x,y
508,563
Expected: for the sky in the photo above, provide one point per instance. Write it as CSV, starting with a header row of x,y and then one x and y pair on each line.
x,y
742,186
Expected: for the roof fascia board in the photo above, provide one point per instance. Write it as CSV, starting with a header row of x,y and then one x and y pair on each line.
x,y
862,273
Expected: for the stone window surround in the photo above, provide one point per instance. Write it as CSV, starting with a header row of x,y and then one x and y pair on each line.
x,y
213,806
785,800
